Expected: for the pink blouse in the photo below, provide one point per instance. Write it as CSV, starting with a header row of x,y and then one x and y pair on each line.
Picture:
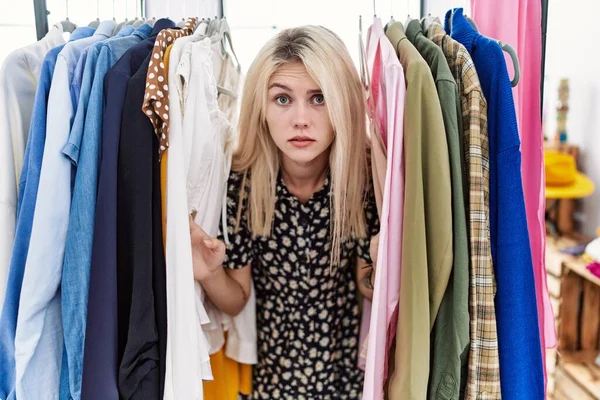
x,y
386,106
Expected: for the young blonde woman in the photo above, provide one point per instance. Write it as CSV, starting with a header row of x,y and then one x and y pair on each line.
x,y
300,218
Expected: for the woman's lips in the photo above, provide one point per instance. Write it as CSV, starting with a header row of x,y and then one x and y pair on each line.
x,y
301,141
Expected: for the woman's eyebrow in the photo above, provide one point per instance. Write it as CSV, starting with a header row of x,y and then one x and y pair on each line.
x,y
280,85
314,91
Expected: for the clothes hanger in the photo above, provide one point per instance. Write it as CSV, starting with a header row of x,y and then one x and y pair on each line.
x,y
202,27
139,19
427,21
120,25
224,35
408,17
362,58
472,23
127,21
214,27
203,22
67,25
95,24
505,47
513,55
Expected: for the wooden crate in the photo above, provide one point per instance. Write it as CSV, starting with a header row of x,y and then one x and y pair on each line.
x,y
576,376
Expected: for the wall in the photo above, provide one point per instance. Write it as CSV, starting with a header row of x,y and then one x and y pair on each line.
x,y
253,22
572,52
18,25
178,9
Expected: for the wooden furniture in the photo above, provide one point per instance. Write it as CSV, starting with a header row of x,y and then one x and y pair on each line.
x,y
562,214
575,296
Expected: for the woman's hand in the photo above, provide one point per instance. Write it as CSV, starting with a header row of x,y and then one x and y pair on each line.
x,y
208,253
373,248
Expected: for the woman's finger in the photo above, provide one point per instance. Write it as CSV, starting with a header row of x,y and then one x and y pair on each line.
x,y
209,243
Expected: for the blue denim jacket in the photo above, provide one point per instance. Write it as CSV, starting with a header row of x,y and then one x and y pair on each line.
x,y
83,149
28,188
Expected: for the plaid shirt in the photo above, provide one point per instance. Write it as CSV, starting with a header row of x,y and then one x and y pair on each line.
x,y
483,380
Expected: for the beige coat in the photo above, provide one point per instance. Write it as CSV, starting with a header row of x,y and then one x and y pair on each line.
x,y
427,240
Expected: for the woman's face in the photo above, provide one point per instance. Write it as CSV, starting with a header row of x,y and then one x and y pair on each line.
x,y
297,115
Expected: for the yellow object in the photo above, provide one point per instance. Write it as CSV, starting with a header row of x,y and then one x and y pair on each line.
x,y
563,181
230,378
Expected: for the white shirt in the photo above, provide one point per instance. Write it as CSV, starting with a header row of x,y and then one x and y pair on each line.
x,y
188,359
212,172
19,78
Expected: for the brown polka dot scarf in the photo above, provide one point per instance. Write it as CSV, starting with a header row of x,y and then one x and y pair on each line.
x,y
156,97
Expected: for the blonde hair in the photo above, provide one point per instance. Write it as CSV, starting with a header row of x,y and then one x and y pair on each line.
x,y
328,62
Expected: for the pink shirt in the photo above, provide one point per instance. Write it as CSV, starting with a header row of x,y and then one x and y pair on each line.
x,y
388,90
518,24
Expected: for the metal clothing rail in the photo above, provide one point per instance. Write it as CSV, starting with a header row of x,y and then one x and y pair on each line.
x,y
544,22
41,16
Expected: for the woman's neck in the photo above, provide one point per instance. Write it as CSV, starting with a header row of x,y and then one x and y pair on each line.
x,y
304,179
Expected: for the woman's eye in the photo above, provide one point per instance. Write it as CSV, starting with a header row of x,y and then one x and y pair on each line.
x,y
282,100
318,99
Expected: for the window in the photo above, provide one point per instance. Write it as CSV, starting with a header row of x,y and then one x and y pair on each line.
x,y
254,22
17,25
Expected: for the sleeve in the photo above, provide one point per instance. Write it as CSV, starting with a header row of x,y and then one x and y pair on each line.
x,y
239,248
372,225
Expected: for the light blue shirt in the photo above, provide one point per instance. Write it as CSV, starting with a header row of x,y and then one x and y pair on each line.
x,y
28,188
79,68
39,336
83,149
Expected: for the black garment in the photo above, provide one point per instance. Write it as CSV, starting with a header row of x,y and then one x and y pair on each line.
x,y
100,363
140,250
307,310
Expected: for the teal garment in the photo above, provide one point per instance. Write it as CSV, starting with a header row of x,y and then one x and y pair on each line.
x,y
450,335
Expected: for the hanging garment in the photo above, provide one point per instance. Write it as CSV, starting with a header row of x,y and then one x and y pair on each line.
x,y
524,33
516,310
188,368
137,259
19,78
156,103
483,374
230,78
100,363
28,189
77,83
185,369
450,347
210,177
427,251
39,336
387,104
83,149
230,378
